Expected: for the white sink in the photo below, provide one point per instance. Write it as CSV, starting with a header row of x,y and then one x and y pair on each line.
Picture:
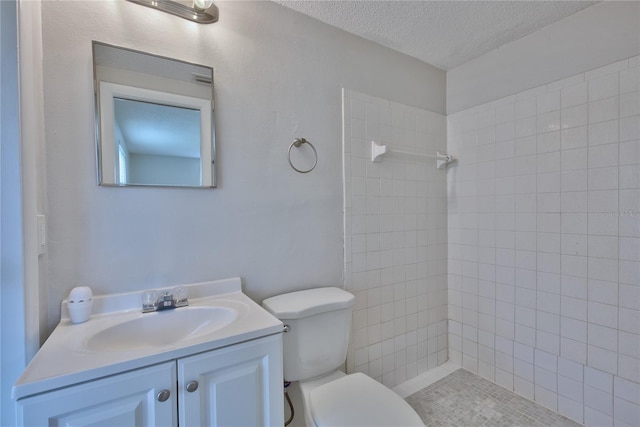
x,y
118,337
162,328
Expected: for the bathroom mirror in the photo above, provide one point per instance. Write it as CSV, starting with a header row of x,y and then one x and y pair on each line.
x,y
154,120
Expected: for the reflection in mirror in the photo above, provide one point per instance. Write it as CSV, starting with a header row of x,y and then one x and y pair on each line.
x,y
154,119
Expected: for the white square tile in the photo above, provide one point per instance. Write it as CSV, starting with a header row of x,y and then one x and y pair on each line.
x,y
603,155
527,107
505,132
629,80
629,368
603,110
598,400
574,159
630,128
523,387
574,137
629,296
604,337
574,116
626,389
603,269
603,314
627,412
548,142
570,388
593,417
604,360
546,397
576,223
603,292
548,102
629,344
604,133
575,308
573,200
629,176
603,178
573,350
548,342
570,408
574,95
603,201
570,369
603,246
603,87
574,286
504,379
550,121
604,223
523,370
630,248
629,320
576,266
574,329
505,113
630,104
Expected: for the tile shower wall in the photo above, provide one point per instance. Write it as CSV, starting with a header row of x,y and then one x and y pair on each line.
x,y
395,239
544,244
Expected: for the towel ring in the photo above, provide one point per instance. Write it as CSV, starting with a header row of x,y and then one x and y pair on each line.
x,y
297,143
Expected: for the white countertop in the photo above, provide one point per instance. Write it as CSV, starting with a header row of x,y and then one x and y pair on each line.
x,y
64,360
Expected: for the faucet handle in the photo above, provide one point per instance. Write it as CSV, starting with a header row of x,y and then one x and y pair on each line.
x,y
149,300
180,296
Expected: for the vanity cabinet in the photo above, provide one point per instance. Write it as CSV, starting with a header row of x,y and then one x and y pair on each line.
x,y
232,386
238,385
127,399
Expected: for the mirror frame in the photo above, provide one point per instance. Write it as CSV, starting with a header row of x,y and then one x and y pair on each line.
x,y
106,92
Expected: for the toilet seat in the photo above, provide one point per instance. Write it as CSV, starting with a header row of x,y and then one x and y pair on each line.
x,y
358,400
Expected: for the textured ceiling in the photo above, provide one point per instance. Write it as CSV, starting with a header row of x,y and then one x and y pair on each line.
x,y
442,33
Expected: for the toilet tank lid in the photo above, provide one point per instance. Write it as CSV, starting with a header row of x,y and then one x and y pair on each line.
x,y
296,305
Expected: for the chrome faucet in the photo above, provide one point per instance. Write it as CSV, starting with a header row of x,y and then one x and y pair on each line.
x,y
166,301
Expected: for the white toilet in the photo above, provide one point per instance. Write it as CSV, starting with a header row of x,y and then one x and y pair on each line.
x,y
315,347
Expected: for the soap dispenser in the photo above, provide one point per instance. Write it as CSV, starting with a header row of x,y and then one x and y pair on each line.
x,y
79,304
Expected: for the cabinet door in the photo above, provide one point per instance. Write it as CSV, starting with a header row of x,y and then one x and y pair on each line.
x,y
128,399
240,385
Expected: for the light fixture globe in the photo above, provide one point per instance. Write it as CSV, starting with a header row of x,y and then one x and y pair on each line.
x,y
202,4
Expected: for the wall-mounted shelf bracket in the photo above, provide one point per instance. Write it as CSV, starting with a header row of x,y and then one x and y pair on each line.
x,y
378,150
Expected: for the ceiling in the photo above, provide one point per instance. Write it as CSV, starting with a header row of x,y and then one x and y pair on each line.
x,y
441,33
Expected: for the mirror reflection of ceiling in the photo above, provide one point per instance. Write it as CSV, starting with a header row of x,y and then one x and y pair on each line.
x,y
158,129
441,33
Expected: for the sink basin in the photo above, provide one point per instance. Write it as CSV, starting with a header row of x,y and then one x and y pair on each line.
x,y
162,328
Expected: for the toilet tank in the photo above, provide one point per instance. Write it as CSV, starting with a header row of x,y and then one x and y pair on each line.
x,y
319,322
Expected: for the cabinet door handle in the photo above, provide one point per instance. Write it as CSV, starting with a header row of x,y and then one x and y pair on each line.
x,y
192,386
163,395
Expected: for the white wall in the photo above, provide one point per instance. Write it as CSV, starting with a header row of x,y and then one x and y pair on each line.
x,y
544,243
395,239
278,75
598,35
12,319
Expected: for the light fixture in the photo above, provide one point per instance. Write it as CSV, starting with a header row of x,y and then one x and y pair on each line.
x,y
202,11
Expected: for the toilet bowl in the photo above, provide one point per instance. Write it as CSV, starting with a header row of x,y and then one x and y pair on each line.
x,y
315,347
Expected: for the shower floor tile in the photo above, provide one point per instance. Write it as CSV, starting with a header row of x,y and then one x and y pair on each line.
x,y
465,399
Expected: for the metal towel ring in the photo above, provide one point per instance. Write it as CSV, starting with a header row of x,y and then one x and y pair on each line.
x,y
297,143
